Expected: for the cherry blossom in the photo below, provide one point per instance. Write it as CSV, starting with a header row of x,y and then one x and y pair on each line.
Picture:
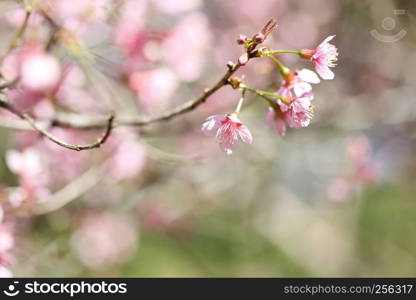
x,y
103,239
227,129
324,57
298,83
277,119
297,92
40,71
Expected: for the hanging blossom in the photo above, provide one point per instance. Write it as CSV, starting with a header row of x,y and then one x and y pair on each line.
x,y
295,108
278,120
324,57
227,129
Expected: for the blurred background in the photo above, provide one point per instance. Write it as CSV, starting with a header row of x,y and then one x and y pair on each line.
x,y
334,199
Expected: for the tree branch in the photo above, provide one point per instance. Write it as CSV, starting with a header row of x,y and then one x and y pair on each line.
x,y
78,122
86,123
64,144
19,33
109,125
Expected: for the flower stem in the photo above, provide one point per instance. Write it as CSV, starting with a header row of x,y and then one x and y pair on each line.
x,y
283,70
284,51
265,95
239,105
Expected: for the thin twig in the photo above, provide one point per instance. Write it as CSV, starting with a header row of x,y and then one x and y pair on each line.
x,y
18,35
64,144
143,121
4,104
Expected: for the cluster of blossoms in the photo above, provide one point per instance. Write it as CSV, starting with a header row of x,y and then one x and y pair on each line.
x,y
291,106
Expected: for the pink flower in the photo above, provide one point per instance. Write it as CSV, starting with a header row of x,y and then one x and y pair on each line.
x,y
5,272
277,119
324,57
40,71
75,15
104,240
297,91
300,111
365,169
128,156
227,128
298,83
153,87
193,37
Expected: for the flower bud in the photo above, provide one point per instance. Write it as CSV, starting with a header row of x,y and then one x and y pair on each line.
x,y
259,38
241,39
243,59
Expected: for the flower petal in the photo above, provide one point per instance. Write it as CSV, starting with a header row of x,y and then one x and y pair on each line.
x,y
302,88
329,38
245,134
276,122
324,71
227,137
308,76
212,124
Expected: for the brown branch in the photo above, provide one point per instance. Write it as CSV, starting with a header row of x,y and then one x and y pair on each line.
x,y
64,144
4,104
89,123
180,109
143,121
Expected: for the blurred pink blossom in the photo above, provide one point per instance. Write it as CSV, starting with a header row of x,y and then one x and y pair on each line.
x,y
16,16
185,48
175,7
5,272
29,166
76,14
129,157
153,87
7,243
40,71
364,170
10,67
73,94
129,32
104,240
